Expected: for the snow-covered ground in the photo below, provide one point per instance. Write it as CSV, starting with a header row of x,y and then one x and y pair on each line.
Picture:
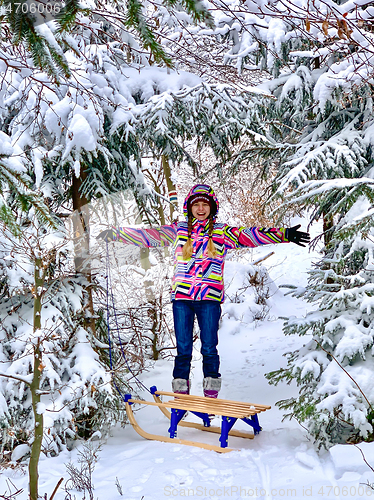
x,y
278,463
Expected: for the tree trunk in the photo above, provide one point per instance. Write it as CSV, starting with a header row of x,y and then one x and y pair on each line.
x,y
35,384
81,228
171,186
160,208
328,224
155,330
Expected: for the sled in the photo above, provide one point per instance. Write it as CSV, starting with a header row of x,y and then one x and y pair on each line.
x,y
202,407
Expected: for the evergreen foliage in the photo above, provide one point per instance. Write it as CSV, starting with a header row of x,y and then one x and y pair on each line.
x,y
76,394
329,168
16,188
334,368
31,34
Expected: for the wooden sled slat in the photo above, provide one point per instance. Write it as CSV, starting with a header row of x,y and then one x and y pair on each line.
x,y
156,437
218,400
210,405
190,406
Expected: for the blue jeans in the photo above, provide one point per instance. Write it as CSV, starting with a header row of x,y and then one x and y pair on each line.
x,y
208,313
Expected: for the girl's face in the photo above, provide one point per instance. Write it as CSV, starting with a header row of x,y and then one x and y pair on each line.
x,y
200,210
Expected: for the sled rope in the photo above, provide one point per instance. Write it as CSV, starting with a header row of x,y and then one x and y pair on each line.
x,y
110,297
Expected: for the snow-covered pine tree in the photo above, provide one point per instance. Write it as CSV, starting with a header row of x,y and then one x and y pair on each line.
x,y
49,368
334,369
326,163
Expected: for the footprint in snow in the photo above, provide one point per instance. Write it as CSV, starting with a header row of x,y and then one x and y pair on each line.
x,y
179,477
145,476
308,459
136,489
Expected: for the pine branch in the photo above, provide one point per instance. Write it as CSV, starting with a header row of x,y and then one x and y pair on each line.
x,y
198,12
345,371
20,184
68,15
10,221
19,379
135,19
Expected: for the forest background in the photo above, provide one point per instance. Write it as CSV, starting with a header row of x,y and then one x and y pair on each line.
x,y
107,110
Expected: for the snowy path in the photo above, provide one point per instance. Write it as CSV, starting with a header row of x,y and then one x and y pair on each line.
x,y
279,463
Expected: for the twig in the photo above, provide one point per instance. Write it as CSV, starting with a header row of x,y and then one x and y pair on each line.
x,y
363,457
56,488
263,258
20,379
11,496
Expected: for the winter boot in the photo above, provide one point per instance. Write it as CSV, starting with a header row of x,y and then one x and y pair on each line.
x,y
211,387
181,386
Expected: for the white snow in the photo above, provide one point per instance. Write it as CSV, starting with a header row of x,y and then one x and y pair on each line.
x,y
280,462
40,408
20,451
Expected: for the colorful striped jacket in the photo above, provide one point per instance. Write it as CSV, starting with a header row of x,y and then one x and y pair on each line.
x,y
201,277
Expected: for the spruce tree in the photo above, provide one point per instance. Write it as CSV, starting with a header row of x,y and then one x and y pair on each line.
x,y
333,370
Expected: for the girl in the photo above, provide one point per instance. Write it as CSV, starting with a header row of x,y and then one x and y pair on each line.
x,y
200,245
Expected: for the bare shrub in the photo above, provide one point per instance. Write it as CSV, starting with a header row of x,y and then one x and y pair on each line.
x,y
13,491
81,477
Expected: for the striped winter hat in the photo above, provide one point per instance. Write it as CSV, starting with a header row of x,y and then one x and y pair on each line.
x,y
201,192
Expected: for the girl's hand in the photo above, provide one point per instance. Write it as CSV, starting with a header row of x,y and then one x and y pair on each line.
x,y
299,237
106,235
